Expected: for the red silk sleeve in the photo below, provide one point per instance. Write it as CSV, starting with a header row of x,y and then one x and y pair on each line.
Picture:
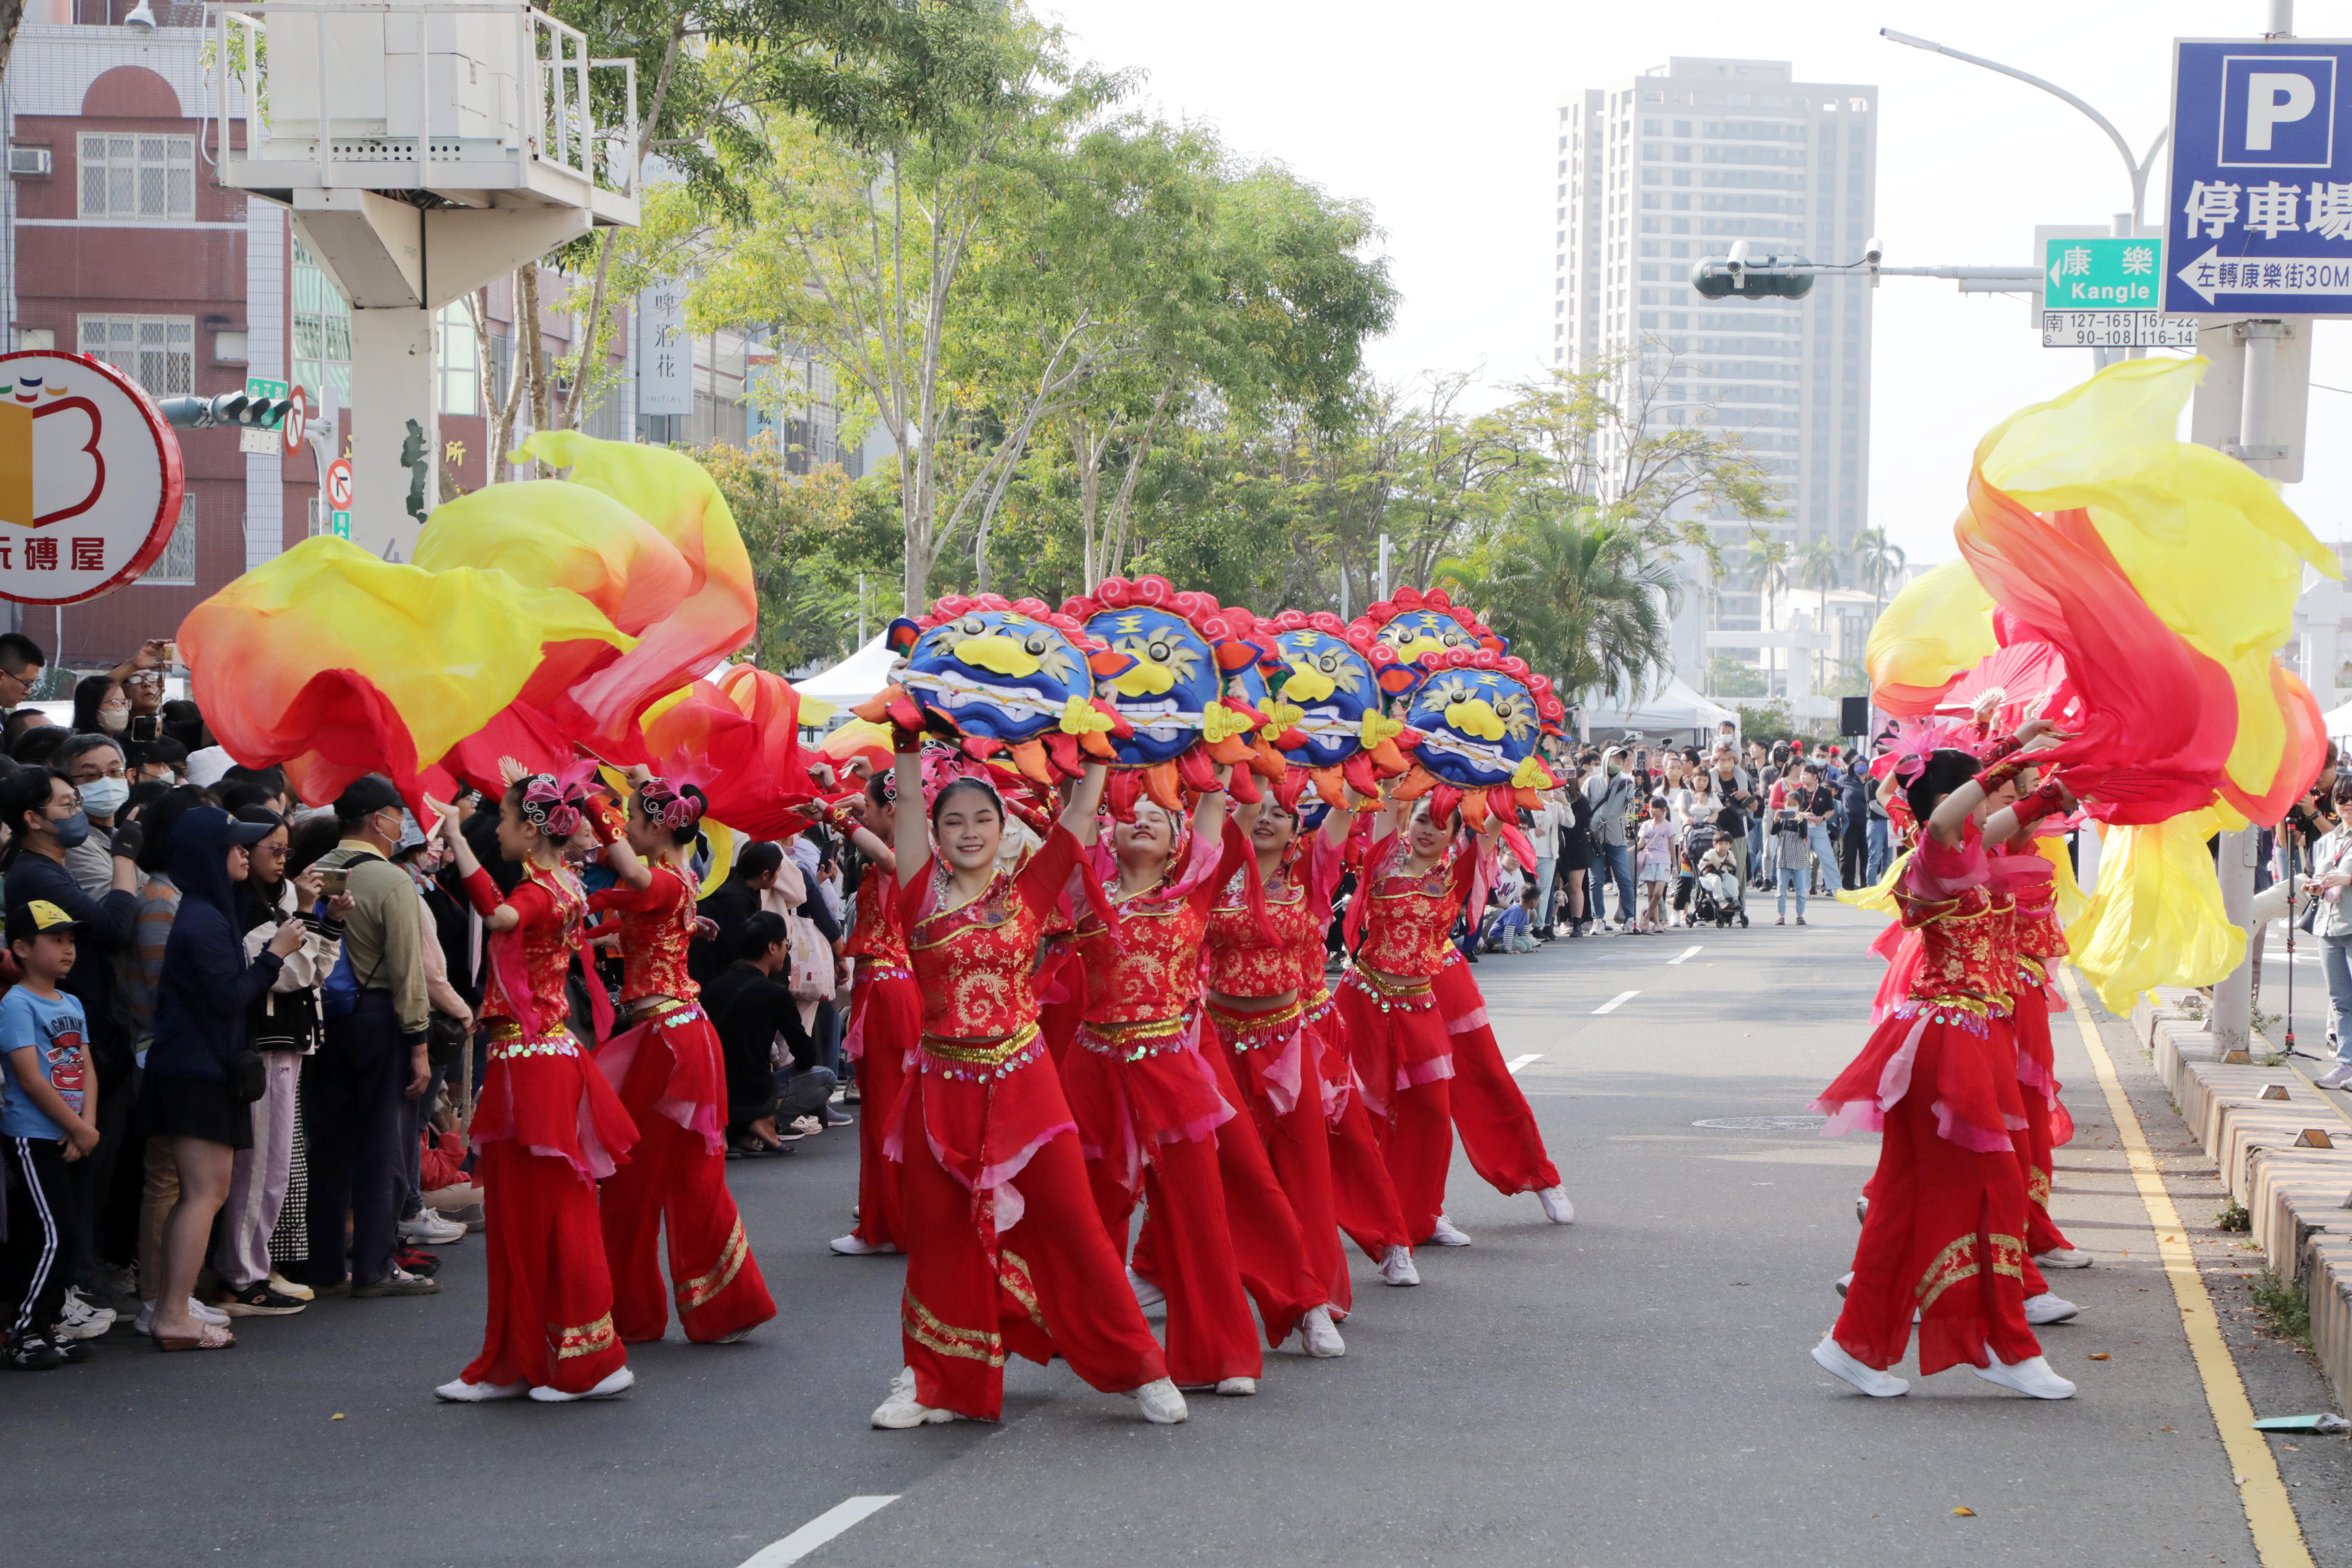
x,y
483,893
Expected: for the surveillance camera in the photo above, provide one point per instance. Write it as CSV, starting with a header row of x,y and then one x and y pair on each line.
x,y
1873,250
1738,253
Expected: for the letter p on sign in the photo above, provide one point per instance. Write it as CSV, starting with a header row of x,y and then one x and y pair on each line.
x,y
2278,111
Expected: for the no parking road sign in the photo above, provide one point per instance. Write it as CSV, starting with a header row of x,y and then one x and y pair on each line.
x,y
2261,204
338,485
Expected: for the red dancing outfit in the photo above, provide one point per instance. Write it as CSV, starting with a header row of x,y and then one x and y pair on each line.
x,y
886,1025
546,1130
1490,1110
2036,940
1148,1105
672,1080
1295,1077
993,1265
1938,1078
1396,1036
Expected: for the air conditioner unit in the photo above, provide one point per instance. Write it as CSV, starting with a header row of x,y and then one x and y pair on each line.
x,y
28,161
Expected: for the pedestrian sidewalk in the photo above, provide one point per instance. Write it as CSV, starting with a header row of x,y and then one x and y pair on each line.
x,y
2257,1125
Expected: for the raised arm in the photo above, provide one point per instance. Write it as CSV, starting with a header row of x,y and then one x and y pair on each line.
x,y
1086,798
497,914
1209,817
914,830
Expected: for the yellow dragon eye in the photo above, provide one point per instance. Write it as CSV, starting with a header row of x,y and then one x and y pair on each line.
x,y
971,626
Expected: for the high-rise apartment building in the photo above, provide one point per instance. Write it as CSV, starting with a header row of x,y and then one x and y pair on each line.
x,y
1664,168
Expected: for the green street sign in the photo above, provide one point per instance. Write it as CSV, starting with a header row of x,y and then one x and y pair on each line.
x,y
342,523
2105,274
259,387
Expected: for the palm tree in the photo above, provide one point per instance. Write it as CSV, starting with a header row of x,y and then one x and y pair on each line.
x,y
1767,574
1877,561
1583,599
1818,568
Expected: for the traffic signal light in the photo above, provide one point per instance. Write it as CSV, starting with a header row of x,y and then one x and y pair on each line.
x,y
1715,278
228,408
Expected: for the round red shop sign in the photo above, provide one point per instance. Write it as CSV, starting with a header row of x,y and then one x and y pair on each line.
x,y
90,478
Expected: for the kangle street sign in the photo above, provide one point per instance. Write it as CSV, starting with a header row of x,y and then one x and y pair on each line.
x,y
2101,274
2261,206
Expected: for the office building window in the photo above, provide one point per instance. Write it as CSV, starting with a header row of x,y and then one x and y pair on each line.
x,y
137,179
456,359
157,351
177,565
322,330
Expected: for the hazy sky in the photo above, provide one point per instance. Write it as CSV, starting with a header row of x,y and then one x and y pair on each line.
x,y
1445,119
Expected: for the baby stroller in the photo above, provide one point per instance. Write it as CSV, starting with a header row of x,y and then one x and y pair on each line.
x,y
1715,890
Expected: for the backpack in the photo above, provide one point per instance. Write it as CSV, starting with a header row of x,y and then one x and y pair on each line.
x,y
809,970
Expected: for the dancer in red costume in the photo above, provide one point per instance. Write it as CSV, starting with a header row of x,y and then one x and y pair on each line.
x,y
886,1020
1005,1249
1498,1130
1315,1130
1146,1099
672,1080
1943,1235
2041,942
547,1127
1412,887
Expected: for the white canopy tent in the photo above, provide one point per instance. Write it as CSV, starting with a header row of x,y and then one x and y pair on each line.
x,y
2337,722
1675,709
854,679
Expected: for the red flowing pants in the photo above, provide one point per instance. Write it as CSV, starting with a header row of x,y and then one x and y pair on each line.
x,y
1418,1136
886,1014
1298,1146
1943,1235
675,1178
551,1311
1490,1110
2042,1126
1054,1286
1210,1334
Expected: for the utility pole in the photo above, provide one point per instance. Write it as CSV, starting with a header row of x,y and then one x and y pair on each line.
x,y
1384,565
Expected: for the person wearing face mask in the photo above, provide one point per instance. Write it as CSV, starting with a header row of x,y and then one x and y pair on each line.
x,y
101,706
419,1225
93,764
44,819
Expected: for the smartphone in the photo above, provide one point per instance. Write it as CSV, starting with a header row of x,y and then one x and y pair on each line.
x,y
334,884
145,727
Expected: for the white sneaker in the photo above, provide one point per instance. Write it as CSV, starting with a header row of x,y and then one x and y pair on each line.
x,y
1831,1357
81,1321
2047,1307
1163,1404
1396,1267
2065,1257
1448,1234
618,1383
1556,1206
1861,1211
2033,1375
429,1229
855,1245
285,1287
2337,1077
145,1321
1237,1388
1148,1296
458,1391
1844,1280
900,1411
1319,1337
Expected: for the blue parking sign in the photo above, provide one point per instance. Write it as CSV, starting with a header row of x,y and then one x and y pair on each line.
x,y
2261,214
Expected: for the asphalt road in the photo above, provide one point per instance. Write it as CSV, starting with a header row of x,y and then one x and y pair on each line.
x,y
1631,1390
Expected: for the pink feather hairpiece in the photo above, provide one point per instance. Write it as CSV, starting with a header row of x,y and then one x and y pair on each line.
x,y
553,802
1914,743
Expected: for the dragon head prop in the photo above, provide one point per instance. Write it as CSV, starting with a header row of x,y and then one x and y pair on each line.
x,y
1419,626
1328,714
1182,649
997,675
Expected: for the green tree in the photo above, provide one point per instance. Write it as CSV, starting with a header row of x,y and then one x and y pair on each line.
x,y
810,536
1878,561
1767,574
1584,598
1819,567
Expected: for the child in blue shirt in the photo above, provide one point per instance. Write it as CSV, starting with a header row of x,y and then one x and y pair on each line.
x,y
48,1119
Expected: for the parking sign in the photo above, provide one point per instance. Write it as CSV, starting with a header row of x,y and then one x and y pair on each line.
x,y
2261,216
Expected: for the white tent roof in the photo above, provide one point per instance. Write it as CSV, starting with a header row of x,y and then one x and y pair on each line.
x,y
1677,707
854,679
2337,720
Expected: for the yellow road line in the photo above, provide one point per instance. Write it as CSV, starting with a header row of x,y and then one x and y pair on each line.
x,y
2278,1539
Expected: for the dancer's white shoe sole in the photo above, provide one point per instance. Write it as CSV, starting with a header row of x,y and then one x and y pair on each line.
x,y
1844,1280
1556,1206
855,1245
2031,1376
1237,1388
1831,1358
1319,1337
2047,1309
1397,1268
1161,1403
612,1387
2065,1257
459,1391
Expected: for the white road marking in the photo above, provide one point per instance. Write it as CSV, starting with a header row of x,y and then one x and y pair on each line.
x,y
833,1521
1686,955
1515,1063
1616,1002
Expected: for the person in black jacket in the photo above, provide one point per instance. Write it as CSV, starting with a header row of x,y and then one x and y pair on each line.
x,y
729,905
197,1095
750,1008
44,815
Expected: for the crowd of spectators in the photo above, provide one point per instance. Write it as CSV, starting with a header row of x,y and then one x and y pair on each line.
x,y
238,1040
